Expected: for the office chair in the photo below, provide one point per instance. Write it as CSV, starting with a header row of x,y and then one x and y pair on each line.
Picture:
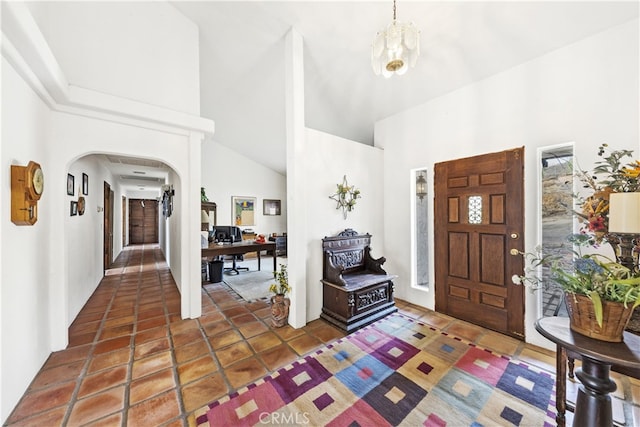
x,y
230,234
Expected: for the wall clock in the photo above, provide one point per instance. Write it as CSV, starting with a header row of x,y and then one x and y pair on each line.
x,y
27,185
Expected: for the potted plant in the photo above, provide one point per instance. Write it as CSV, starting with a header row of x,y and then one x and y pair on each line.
x,y
600,293
279,301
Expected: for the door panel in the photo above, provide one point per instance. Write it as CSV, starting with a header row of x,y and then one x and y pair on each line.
x,y
143,221
478,221
124,221
108,226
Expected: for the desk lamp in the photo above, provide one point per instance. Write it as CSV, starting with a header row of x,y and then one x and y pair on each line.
x,y
624,224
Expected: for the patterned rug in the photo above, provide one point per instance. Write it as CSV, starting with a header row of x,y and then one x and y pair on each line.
x,y
394,372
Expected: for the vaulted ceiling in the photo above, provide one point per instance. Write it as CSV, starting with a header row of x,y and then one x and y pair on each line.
x,y
242,54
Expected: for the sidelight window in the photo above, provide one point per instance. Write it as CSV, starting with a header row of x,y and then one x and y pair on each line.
x,y
420,225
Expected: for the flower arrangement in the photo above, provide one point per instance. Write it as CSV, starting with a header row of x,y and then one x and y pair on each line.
x,y
282,287
593,275
610,175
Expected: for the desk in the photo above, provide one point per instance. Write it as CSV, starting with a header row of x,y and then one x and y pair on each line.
x,y
240,248
593,403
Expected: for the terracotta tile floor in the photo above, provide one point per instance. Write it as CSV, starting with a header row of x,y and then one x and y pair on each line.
x,y
132,360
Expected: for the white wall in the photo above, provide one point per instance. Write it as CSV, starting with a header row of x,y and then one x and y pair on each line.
x,y
226,173
328,159
25,286
84,260
126,49
587,92
172,252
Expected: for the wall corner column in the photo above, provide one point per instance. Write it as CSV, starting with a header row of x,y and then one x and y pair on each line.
x,y
296,206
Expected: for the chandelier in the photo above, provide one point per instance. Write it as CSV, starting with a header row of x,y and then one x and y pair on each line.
x,y
396,48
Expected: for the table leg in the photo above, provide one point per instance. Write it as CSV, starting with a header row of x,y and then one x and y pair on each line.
x,y
561,385
258,252
593,404
275,268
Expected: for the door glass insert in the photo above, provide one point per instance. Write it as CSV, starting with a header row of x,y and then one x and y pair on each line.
x,y
475,209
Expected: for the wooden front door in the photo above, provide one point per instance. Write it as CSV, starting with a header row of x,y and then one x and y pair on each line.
x,y
143,221
479,211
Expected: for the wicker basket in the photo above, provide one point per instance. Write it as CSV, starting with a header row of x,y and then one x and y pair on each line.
x,y
582,318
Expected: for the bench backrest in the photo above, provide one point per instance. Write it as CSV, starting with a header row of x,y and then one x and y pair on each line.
x,y
347,249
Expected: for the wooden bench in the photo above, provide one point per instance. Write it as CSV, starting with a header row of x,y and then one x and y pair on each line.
x,y
356,289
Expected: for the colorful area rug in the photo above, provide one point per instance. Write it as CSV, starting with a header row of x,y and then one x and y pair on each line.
x,y
394,372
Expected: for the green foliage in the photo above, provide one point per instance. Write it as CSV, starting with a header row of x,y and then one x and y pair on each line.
x,y
594,275
282,279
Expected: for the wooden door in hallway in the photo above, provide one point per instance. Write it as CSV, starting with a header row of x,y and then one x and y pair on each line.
x,y
143,221
479,209
108,226
124,221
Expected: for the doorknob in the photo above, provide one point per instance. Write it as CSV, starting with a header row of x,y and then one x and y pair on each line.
x,y
514,235
514,251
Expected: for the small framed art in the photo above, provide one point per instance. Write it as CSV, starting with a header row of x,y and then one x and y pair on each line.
x,y
270,207
70,184
85,184
73,209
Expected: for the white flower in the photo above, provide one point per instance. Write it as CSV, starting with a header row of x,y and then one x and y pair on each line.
x,y
517,280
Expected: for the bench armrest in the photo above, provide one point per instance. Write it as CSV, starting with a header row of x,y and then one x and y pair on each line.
x,y
371,264
333,273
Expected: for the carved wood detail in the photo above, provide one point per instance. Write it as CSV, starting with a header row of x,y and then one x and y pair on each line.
x,y
356,289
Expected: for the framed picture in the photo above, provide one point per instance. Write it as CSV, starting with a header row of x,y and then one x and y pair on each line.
x,y
243,210
270,207
73,211
85,184
70,184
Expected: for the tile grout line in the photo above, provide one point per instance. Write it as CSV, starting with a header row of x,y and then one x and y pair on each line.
x,y
129,379
174,360
90,355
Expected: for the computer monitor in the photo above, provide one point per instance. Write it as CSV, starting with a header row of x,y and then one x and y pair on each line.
x,y
227,233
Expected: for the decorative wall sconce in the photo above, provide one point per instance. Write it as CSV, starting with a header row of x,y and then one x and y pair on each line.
x,y
421,186
624,224
345,197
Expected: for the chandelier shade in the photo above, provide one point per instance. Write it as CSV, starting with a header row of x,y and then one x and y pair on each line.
x,y
395,48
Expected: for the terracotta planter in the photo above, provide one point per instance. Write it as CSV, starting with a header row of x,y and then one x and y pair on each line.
x,y
279,310
582,318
